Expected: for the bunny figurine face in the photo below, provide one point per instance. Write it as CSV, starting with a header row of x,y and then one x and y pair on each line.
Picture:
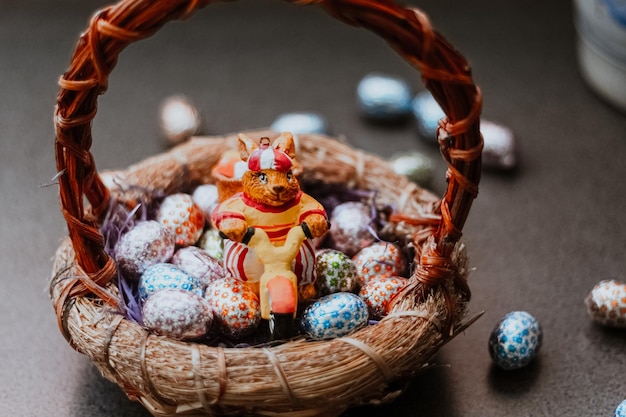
x,y
269,179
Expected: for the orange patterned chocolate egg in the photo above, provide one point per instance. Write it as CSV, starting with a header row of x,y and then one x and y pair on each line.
x,y
182,217
235,306
378,293
379,260
606,303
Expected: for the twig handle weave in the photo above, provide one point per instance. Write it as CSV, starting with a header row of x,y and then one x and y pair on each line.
x,y
445,73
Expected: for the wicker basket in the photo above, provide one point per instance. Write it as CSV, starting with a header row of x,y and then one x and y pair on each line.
x,y
298,377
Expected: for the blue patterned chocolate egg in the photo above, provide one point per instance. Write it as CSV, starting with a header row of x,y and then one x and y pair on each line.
x,y
515,341
335,272
235,306
427,114
146,244
384,97
378,293
300,122
166,276
334,315
620,411
199,264
177,314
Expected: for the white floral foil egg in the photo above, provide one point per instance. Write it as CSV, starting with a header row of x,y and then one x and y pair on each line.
x,y
606,303
199,264
379,260
235,307
378,293
350,227
334,315
205,197
177,314
384,97
212,243
182,217
515,341
146,244
166,276
335,272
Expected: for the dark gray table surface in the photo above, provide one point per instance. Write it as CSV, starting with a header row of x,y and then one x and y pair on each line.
x,y
538,238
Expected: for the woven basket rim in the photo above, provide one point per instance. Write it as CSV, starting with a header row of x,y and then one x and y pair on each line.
x,y
87,272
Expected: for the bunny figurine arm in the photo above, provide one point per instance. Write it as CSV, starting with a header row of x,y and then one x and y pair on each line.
x,y
231,224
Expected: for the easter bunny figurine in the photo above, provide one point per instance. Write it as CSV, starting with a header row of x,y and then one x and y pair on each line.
x,y
271,200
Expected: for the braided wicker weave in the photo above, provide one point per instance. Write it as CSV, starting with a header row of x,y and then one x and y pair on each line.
x,y
297,378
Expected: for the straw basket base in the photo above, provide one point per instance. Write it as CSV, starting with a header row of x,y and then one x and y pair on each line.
x,y
299,378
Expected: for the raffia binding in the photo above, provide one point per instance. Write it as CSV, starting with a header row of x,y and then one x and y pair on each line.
x,y
437,292
374,356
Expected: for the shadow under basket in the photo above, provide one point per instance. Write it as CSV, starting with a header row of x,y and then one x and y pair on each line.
x,y
298,377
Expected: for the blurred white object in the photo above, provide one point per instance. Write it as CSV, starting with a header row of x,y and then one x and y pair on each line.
x,y
601,45
416,166
302,122
499,149
383,97
179,119
427,114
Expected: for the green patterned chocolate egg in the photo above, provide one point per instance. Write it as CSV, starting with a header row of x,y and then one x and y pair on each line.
x,y
335,272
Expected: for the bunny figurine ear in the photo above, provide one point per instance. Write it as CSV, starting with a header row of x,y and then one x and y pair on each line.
x,y
286,144
246,146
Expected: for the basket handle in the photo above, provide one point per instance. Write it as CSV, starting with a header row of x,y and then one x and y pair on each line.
x,y
445,73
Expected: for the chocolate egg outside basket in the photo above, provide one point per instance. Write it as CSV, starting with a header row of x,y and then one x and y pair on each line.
x,y
515,340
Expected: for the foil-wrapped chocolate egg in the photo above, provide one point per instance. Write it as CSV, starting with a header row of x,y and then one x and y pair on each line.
x,y
378,292
182,217
166,276
620,411
199,264
334,315
384,97
415,166
379,260
177,314
335,272
179,119
606,303
515,340
212,243
206,198
427,113
146,244
235,307
300,122
350,231
499,147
